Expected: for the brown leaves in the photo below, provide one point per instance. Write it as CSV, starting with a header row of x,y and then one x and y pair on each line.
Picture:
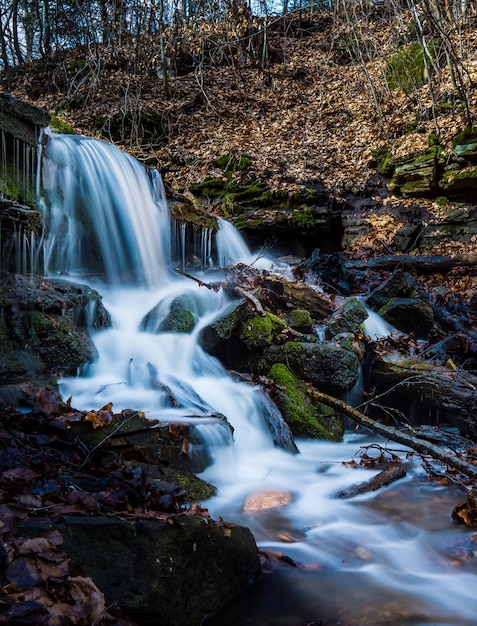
x,y
466,512
102,417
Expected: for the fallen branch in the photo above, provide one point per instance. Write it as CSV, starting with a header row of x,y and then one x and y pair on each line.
x,y
383,479
408,439
228,287
417,262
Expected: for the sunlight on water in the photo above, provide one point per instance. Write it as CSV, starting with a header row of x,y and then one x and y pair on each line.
x,y
378,559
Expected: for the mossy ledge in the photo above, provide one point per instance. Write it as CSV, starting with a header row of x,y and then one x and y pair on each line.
x,y
306,419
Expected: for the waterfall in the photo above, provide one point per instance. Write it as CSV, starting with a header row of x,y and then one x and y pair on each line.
x,y
108,214
393,558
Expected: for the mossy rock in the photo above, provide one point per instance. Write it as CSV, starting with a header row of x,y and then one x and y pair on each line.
x,y
262,330
460,184
328,367
417,174
180,318
300,319
407,70
304,418
61,127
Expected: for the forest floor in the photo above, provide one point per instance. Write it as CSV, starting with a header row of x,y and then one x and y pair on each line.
x,y
316,112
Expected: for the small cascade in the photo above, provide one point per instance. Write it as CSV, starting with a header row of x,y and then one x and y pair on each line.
x,y
375,326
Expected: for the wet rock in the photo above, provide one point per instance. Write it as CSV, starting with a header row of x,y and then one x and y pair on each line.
x,y
347,318
411,315
45,325
305,417
398,285
300,319
20,119
264,500
329,367
161,572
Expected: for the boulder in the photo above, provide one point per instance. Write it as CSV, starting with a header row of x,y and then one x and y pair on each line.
x,y
398,285
411,315
327,366
173,571
45,324
347,318
305,418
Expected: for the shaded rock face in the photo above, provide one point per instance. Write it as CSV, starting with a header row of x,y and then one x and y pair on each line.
x,y
158,572
44,325
411,315
325,365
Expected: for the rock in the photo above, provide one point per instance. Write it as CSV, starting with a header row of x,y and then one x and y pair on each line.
x,y
45,325
300,320
327,366
305,418
347,318
21,120
264,500
158,571
411,315
14,219
261,331
397,285
417,174
287,294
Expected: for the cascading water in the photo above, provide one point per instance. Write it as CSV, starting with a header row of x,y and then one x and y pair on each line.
x,y
391,559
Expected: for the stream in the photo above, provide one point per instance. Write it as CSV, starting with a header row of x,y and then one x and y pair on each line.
x,y
393,557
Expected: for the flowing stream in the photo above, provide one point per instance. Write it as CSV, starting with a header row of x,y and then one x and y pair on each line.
x,y
392,558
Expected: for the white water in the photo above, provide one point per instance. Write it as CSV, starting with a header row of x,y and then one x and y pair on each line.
x,y
372,560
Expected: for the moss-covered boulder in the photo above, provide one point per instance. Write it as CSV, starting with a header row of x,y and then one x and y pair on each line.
x,y
300,320
305,418
261,331
327,366
45,325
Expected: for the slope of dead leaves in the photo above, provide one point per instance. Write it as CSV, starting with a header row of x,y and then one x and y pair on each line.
x,y
310,115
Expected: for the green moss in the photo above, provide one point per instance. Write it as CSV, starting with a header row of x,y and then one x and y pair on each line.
x,y
233,163
441,201
211,187
197,489
261,331
303,217
58,126
304,419
466,137
406,71
300,319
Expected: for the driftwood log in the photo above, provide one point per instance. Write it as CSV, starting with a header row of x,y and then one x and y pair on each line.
x,y
383,479
421,446
452,393
420,263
